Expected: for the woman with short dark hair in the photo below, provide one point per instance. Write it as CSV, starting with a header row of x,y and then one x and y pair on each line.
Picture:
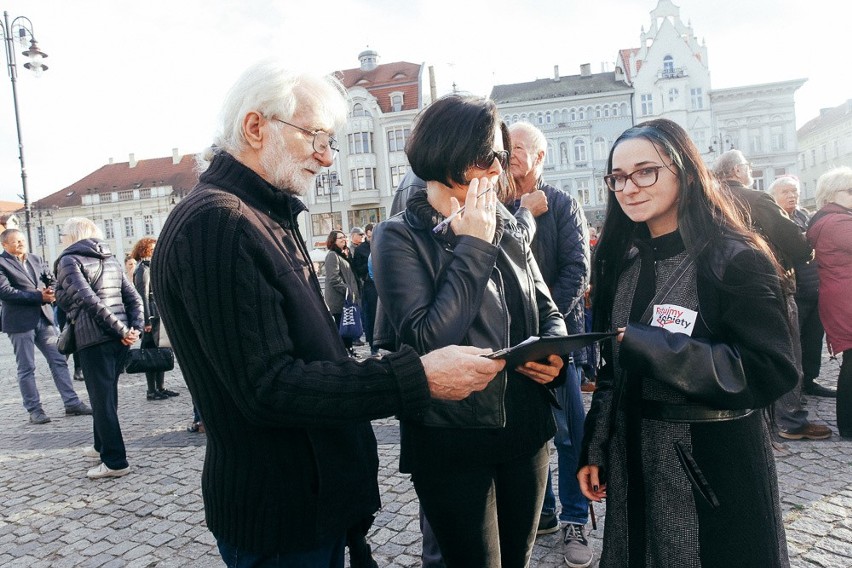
x,y
340,281
674,439
445,276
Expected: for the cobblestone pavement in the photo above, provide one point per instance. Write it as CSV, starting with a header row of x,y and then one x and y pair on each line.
x,y
52,516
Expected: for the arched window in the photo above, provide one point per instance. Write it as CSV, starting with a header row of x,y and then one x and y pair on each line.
x,y
539,118
600,148
359,110
572,114
668,66
598,112
548,118
581,115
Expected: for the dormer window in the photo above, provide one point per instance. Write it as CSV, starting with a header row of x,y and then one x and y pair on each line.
x,y
396,102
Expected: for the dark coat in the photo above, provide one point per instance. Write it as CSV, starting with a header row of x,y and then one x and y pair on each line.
x,y
677,489
93,290
142,283
291,458
21,293
340,282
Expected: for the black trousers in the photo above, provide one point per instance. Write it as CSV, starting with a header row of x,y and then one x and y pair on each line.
x,y
811,333
485,516
102,364
844,396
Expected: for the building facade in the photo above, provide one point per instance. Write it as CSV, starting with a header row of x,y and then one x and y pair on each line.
x,y
581,116
825,142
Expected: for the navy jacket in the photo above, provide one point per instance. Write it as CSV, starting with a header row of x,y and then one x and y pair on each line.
x,y
20,292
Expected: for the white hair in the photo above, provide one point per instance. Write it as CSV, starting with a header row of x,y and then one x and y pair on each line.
x,y
832,182
270,89
784,181
79,228
726,164
536,137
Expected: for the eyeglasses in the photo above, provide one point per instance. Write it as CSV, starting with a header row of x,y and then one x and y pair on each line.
x,y
643,177
485,162
322,141
746,164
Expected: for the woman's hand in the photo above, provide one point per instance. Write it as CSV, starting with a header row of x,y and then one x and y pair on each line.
x,y
590,483
131,337
479,218
542,373
620,335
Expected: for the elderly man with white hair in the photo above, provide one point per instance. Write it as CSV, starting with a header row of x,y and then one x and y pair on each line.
x,y
291,463
786,192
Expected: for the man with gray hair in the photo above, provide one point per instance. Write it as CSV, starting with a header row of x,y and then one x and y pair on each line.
x,y
790,247
291,463
785,190
560,246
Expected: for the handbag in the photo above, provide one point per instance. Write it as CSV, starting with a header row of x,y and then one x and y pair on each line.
x,y
150,360
67,341
350,320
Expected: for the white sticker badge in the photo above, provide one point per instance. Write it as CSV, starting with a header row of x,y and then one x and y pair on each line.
x,y
674,318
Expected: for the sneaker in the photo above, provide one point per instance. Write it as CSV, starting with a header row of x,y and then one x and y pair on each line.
x,y
547,524
168,393
814,389
39,417
577,551
103,471
91,452
81,409
807,432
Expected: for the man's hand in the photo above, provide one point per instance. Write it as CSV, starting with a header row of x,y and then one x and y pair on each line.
x,y
454,372
48,296
535,202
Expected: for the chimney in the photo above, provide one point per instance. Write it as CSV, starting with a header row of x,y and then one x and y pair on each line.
x,y
586,70
175,157
132,161
556,73
111,161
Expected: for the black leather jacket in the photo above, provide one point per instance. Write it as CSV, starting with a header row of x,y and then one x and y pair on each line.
x,y
441,290
92,289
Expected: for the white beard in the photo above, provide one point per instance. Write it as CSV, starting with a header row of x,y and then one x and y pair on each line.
x,y
284,172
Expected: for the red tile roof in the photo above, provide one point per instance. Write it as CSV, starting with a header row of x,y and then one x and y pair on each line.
x,y
624,62
117,177
385,79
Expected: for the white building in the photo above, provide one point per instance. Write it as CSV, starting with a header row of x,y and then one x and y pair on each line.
x,y
825,142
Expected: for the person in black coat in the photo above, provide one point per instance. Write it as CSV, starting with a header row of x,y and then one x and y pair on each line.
x,y
106,312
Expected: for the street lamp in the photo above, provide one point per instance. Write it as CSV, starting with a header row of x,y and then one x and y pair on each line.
x,y
332,183
721,143
42,235
21,28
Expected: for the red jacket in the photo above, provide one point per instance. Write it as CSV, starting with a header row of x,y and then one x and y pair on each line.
x,y
830,233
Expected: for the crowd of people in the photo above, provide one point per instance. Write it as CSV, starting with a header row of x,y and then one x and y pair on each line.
x,y
716,296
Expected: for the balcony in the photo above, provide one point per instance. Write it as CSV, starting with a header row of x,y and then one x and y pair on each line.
x,y
672,73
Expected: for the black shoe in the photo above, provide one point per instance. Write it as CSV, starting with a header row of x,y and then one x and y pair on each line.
x,y
547,524
156,395
78,375
81,409
814,389
168,393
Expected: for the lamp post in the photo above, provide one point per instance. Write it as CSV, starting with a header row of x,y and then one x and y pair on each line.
x,y
721,143
21,27
42,236
334,185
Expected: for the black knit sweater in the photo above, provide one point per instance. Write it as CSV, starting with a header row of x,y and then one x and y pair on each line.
x,y
291,458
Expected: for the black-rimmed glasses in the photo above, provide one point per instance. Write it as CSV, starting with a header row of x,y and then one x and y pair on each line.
x,y
485,162
322,141
643,177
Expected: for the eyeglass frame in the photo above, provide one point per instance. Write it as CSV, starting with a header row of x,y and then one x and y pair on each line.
x,y
747,164
502,156
630,177
332,141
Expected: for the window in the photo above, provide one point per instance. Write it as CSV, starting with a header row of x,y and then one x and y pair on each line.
x,y
673,94
128,227
598,112
823,151
668,66
601,191
363,179
615,110
326,184
581,115
697,97
396,102
813,156
548,118
125,195
104,197
647,104
359,110
572,115
579,150
145,193
361,217
397,138
149,225
700,139
109,229
600,148
777,136
396,175
361,143
755,142
59,234
42,239
758,180
583,196
323,223
539,119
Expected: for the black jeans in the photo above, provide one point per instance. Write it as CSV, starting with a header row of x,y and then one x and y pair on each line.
x,y
369,301
485,515
810,332
102,364
844,396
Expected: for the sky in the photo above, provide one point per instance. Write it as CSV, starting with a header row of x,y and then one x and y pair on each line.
x,y
145,77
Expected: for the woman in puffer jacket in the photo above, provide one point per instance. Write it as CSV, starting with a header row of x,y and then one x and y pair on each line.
x,y
106,311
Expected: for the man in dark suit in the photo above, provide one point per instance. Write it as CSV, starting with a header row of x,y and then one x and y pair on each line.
x,y
28,319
